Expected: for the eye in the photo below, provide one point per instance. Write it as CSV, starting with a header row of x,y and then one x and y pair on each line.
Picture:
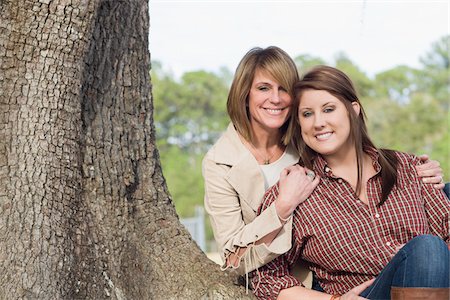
x,y
282,89
262,88
306,114
328,109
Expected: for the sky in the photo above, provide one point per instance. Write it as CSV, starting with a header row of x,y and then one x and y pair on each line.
x,y
189,35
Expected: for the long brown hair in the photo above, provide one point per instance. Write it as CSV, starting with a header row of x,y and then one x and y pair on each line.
x,y
278,64
338,84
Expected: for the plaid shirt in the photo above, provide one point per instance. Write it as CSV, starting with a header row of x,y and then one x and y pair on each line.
x,y
346,241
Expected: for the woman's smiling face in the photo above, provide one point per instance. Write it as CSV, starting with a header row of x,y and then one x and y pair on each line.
x,y
325,122
269,103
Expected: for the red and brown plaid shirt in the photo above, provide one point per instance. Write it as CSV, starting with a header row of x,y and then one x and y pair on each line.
x,y
346,241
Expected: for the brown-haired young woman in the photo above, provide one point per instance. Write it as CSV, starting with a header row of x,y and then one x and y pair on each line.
x,y
370,216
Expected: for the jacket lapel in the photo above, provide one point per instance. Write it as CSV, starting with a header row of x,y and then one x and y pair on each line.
x,y
247,179
245,175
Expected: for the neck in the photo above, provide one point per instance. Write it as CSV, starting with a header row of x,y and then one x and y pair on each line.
x,y
346,166
265,139
346,160
266,146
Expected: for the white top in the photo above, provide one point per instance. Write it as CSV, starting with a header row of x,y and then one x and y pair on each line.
x,y
271,172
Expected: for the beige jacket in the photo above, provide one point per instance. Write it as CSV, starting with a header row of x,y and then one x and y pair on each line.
x,y
234,188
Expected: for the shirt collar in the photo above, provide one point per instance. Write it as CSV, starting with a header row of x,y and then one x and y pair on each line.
x,y
321,167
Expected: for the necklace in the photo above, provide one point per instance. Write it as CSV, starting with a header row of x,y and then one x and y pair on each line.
x,y
266,160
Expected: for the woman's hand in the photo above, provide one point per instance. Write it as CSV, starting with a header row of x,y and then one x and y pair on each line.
x,y
295,187
430,172
354,292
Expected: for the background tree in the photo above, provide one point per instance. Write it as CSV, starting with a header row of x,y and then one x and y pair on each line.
x,y
84,208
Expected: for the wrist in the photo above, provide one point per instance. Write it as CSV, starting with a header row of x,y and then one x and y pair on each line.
x,y
283,212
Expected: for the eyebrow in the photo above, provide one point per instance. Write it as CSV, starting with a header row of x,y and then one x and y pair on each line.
x,y
325,104
263,82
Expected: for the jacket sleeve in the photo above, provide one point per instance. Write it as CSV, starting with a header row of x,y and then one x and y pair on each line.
x,y
270,279
225,210
275,276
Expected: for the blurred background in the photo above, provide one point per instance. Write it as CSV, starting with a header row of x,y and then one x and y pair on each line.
x,y
396,52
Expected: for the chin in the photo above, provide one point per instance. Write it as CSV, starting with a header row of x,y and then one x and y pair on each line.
x,y
322,151
275,126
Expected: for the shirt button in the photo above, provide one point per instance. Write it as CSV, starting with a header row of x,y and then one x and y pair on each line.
x,y
388,243
340,180
327,169
377,215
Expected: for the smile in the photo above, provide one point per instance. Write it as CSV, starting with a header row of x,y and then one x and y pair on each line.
x,y
323,136
274,111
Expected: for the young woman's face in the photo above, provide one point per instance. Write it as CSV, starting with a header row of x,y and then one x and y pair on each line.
x,y
325,122
268,102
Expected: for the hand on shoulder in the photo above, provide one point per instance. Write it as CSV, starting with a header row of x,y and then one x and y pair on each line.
x,y
295,187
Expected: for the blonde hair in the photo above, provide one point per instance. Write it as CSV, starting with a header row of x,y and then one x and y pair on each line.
x,y
279,65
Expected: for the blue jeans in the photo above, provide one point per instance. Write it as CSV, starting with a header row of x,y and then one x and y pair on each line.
x,y
447,189
422,262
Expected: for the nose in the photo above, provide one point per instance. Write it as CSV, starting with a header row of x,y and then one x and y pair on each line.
x,y
319,120
275,98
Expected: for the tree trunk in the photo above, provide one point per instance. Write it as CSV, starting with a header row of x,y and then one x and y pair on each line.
x,y
84,208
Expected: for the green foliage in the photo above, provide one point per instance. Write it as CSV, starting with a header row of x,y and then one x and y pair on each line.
x,y
190,112
435,76
397,83
183,174
407,108
363,84
305,62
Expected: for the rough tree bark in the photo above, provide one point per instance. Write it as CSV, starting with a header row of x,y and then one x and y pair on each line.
x,y
84,208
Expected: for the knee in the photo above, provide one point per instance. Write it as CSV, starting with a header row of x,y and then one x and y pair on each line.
x,y
427,245
427,242
428,251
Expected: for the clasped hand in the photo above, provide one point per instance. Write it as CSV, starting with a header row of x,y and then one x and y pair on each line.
x,y
295,187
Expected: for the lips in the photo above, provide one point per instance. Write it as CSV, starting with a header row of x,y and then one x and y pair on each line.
x,y
323,136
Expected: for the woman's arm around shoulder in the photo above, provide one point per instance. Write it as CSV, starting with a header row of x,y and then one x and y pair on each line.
x,y
436,203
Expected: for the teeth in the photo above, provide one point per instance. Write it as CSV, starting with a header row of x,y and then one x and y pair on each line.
x,y
323,136
273,110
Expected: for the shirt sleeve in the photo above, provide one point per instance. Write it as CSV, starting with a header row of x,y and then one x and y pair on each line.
x,y
437,206
269,280
225,210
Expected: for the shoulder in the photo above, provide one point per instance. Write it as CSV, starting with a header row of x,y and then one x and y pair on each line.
x,y
228,149
407,159
406,167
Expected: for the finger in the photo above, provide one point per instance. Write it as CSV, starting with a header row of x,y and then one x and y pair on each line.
x,y
431,164
430,172
360,288
284,173
316,181
439,186
300,168
310,173
290,168
434,179
424,157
